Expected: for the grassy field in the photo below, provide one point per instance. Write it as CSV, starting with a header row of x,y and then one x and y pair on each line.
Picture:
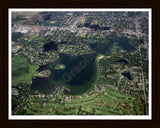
x,y
22,71
106,102
95,101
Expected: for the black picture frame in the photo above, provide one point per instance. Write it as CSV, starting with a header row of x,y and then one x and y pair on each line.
x,y
5,5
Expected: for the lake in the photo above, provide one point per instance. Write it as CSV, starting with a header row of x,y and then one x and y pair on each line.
x,y
80,72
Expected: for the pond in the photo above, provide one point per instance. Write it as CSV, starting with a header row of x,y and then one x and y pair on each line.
x,y
47,17
127,75
50,46
122,60
96,27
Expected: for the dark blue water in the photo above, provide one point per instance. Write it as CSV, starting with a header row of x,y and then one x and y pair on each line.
x,y
50,46
127,75
124,43
96,27
122,60
47,17
78,71
103,47
100,47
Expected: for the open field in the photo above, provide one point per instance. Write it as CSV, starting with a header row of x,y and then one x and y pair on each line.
x,y
106,102
22,71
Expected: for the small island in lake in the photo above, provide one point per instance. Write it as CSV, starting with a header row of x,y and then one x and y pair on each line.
x,y
60,66
45,73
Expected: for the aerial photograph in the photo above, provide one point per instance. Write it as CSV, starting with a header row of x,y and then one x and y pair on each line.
x,y
79,62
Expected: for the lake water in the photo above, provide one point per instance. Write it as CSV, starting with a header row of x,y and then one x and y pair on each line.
x,y
80,72
122,60
96,27
50,46
47,17
127,75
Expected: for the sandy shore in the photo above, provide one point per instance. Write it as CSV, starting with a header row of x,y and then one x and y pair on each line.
x,y
100,57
